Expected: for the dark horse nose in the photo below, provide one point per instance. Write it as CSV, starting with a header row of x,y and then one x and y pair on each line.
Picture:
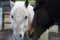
x,y
20,35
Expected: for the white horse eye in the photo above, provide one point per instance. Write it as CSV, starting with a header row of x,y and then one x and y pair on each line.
x,y
12,17
25,17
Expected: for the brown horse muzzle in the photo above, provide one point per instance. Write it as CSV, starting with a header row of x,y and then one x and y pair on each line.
x,y
31,29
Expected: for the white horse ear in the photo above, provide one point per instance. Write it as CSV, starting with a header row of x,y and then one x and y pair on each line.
x,y
12,4
26,3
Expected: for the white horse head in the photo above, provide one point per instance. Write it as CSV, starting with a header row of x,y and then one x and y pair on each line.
x,y
21,17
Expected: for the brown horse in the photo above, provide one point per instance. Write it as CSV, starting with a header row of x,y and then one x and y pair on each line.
x,y
46,14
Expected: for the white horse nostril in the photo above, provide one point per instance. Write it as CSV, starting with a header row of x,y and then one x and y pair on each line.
x,y
20,35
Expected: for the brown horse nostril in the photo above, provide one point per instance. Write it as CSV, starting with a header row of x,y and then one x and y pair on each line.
x,y
20,35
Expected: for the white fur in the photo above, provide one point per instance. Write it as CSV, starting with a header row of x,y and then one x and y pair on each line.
x,y
11,4
19,11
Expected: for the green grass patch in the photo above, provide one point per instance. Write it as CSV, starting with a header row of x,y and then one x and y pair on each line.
x,y
31,2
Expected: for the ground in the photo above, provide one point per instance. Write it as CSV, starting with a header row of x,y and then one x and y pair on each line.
x,y
6,35
51,34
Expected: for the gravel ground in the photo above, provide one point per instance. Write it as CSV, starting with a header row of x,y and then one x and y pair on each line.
x,y
51,34
6,35
54,36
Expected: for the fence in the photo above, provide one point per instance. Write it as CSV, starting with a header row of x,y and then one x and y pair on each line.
x,y
5,5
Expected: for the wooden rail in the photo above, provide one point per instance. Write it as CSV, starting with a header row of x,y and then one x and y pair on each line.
x,y
6,13
7,23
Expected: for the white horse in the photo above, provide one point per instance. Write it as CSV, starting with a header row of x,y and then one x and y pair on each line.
x,y
21,17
